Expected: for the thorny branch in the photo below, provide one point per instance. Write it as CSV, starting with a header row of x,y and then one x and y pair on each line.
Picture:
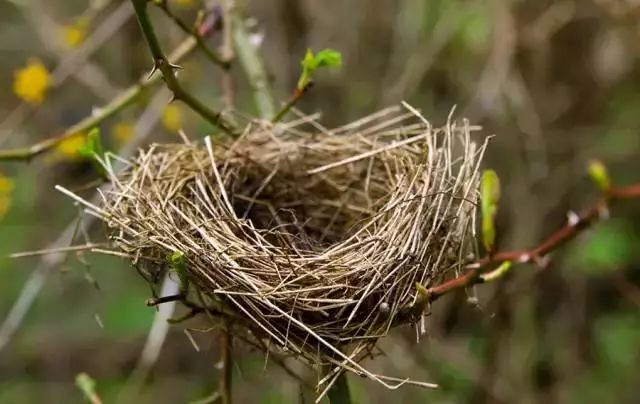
x,y
167,69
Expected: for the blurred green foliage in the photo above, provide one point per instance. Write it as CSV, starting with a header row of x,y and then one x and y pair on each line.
x,y
555,100
606,248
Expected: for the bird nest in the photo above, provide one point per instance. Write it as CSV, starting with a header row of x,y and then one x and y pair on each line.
x,y
314,242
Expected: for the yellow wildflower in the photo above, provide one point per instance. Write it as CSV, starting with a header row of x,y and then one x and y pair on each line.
x,y
32,82
172,118
184,3
74,34
69,147
122,131
6,188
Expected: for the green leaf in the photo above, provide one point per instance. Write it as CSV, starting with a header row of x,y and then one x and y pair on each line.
x,y
608,247
93,149
328,58
474,31
496,273
178,264
93,145
599,175
490,196
616,340
422,291
310,63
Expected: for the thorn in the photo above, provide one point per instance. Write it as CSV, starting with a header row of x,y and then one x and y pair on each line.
x,y
159,63
153,71
174,66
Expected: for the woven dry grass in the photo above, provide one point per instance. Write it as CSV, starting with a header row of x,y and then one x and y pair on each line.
x,y
313,241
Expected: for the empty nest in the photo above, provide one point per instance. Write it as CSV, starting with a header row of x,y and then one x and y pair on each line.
x,y
313,241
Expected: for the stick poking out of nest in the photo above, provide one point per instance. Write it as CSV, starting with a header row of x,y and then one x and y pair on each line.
x,y
315,243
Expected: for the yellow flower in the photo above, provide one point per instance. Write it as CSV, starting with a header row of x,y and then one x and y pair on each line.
x,y
172,118
32,82
122,131
184,3
69,147
6,188
74,34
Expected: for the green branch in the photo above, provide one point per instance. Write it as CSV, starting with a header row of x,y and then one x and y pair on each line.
x,y
291,102
310,63
167,69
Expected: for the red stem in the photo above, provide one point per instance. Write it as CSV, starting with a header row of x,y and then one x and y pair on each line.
x,y
567,232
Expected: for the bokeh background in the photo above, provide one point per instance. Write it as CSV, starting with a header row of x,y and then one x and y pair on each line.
x,y
557,82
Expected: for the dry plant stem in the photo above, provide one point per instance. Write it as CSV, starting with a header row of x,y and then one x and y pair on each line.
x,y
125,99
228,53
247,54
211,55
297,94
167,69
535,254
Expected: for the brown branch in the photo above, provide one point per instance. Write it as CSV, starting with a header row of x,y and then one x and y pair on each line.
x,y
575,225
